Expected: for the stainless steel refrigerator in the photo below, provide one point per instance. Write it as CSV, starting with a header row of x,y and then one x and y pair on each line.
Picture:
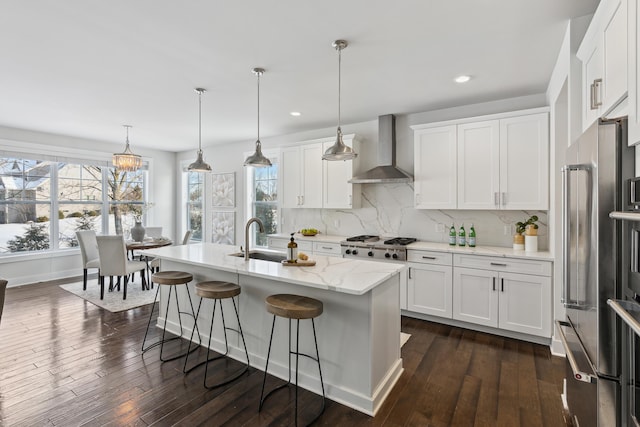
x,y
593,182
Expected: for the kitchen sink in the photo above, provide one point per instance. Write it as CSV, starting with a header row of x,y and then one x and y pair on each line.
x,y
262,255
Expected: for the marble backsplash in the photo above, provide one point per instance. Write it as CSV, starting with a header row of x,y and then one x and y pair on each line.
x,y
387,210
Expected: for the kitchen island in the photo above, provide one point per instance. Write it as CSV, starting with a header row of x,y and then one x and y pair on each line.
x,y
358,332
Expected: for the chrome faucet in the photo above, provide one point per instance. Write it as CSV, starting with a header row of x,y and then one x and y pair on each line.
x,y
246,234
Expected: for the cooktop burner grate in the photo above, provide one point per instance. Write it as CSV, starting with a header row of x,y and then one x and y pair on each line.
x,y
400,241
363,238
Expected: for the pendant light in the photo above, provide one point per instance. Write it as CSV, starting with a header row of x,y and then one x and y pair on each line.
x,y
257,159
127,161
199,165
339,151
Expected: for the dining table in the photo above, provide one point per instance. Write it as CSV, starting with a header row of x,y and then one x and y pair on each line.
x,y
146,244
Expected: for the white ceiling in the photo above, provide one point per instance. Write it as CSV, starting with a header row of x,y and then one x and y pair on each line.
x,y
85,67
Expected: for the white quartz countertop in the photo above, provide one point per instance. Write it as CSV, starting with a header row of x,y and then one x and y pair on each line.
x,y
330,273
480,250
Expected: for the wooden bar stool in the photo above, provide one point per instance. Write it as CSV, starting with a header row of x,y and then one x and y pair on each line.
x,y
171,279
218,291
293,307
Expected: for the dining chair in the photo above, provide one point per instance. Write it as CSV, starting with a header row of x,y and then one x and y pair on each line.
x,y
3,288
154,264
114,262
89,251
153,231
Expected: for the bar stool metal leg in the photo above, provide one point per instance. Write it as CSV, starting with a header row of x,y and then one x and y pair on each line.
x,y
208,359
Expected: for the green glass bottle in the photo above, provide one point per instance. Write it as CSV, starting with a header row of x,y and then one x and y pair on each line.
x,y
472,237
452,235
462,239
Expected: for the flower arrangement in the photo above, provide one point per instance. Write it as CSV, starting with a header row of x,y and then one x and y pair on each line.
x,y
139,210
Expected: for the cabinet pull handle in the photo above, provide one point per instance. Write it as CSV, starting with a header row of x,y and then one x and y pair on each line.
x,y
327,247
503,198
409,272
495,198
494,283
428,257
592,96
501,285
498,264
302,198
350,199
597,90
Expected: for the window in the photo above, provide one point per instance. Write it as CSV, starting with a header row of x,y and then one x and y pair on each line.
x,y
264,201
44,202
195,194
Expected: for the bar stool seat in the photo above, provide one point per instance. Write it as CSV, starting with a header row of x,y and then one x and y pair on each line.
x,y
293,307
171,279
218,291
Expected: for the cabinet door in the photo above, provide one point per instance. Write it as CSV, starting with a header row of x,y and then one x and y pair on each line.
x,y
435,168
311,157
291,172
524,162
615,56
592,72
525,304
475,296
429,289
337,192
478,165
634,71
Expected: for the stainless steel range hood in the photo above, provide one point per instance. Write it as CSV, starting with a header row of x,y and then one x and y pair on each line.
x,y
386,171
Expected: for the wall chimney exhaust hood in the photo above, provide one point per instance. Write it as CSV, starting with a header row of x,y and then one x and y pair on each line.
x,y
386,171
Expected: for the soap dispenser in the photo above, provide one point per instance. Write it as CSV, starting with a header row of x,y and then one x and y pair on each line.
x,y
292,250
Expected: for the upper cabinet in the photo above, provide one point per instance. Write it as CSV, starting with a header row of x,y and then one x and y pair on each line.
x,y
310,182
435,177
603,53
500,163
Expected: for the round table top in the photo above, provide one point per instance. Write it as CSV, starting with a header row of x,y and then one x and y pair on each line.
x,y
150,244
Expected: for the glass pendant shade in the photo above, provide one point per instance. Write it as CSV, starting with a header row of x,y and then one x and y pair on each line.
x,y
199,165
257,159
127,160
339,151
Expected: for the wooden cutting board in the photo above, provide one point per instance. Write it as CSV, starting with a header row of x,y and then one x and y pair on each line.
x,y
299,263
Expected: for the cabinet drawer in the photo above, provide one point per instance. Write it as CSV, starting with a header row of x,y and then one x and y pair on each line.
x,y
429,257
281,243
327,248
513,265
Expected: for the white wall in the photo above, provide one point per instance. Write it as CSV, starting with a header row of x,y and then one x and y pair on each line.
x,y
30,268
387,209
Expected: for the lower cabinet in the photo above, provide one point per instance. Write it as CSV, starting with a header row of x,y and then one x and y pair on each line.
x,y
429,283
319,248
499,298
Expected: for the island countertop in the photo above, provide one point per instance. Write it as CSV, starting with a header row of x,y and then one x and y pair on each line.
x,y
330,273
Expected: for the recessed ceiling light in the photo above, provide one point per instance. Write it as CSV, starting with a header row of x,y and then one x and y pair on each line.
x,y
296,113
462,79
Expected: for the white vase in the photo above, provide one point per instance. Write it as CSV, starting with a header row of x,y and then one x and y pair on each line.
x,y
531,243
137,232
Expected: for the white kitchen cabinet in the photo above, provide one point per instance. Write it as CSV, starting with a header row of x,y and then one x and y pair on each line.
x,y
337,192
309,247
633,70
498,163
504,164
429,283
310,182
302,176
479,165
603,53
513,295
326,248
435,171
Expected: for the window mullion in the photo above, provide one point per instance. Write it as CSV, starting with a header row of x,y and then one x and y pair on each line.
x,y
54,226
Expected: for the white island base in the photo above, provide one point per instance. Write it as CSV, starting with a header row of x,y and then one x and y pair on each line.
x,y
358,335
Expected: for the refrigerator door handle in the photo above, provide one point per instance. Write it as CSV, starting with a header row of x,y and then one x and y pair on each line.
x,y
566,232
586,373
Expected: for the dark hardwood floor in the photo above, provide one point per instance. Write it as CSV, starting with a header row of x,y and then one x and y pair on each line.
x,y
66,362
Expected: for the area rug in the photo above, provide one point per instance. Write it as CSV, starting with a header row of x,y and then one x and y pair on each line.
x,y
404,338
113,301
